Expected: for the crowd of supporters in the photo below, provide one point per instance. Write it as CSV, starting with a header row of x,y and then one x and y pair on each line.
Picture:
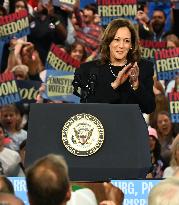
x,y
77,32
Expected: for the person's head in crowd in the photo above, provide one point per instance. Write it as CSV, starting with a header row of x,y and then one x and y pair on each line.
x,y
153,142
156,170
77,51
97,19
161,105
172,41
165,192
164,124
18,5
6,185
48,182
3,11
89,12
10,199
174,162
166,133
39,98
120,32
20,72
158,21
11,118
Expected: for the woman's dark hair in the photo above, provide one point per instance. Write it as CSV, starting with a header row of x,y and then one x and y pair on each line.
x,y
109,34
157,150
12,5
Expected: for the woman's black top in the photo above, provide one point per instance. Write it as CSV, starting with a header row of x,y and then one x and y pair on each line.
x,y
95,80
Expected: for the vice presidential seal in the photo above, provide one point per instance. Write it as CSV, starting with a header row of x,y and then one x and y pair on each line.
x,y
83,134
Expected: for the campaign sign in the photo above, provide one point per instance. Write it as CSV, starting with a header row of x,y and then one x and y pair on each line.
x,y
28,90
59,76
59,86
135,191
9,92
15,25
59,60
173,98
149,47
112,9
167,63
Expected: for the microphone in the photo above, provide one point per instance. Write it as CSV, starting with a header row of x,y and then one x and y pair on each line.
x,y
92,83
76,84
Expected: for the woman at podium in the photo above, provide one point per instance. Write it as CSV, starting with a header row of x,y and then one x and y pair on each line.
x,y
120,76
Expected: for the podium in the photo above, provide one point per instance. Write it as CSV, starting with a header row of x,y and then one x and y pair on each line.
x,y
124,153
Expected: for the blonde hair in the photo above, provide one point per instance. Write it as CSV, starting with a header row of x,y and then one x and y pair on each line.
x,y
165,192
175,147
22,67
173,38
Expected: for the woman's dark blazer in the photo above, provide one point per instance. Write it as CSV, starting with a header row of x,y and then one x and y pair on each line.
x,y
95,81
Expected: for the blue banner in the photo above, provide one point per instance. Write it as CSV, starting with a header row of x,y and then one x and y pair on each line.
x,y
135,191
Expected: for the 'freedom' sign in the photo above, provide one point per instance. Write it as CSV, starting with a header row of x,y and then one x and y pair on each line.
x,y
174,106
8,89
167,63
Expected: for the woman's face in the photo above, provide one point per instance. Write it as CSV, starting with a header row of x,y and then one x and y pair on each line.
x,y
120,45
77,53
9,119
19,6
73,19
152,143
164,124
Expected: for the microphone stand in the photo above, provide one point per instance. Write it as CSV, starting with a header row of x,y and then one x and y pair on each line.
x,y
86,90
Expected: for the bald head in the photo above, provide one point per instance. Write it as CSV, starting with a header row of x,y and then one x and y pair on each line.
x,y
47,181
10,199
